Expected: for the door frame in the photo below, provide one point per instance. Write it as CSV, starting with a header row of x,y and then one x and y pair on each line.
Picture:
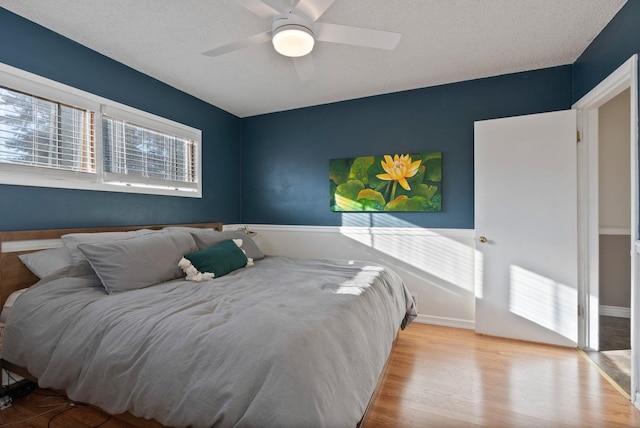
x,y
625,76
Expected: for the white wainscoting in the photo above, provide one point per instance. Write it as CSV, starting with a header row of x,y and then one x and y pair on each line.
x,y
437,265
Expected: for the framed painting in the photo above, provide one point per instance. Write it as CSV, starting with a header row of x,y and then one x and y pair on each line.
x,y
392,182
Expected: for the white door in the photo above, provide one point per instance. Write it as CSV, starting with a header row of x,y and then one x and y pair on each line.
x,y
526,227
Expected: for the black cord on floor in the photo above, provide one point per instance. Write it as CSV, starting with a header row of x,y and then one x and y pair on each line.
x,y
71,405
58,414
74,405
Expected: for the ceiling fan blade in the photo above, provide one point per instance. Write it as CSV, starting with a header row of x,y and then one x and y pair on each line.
x,y
259,8
254,40
304,67
313,8
356,36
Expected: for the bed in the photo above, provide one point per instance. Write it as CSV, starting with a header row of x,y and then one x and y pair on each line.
x,y
284,342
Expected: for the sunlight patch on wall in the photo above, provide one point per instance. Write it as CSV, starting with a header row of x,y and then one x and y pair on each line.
x,y
424,249
544,301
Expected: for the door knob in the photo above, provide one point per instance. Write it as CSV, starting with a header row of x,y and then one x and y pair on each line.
x,y
483,239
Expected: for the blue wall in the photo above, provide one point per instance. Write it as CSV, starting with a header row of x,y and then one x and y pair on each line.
x,y
33,48
285,156
618,41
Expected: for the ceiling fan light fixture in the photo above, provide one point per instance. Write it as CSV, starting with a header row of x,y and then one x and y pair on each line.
x,y
293,40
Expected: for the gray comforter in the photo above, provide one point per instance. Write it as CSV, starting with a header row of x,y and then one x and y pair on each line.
x,y
286,343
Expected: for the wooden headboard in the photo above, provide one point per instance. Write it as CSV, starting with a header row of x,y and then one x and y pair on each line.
x,y
14,275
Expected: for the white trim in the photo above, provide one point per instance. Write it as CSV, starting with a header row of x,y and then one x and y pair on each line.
x,y
151,121
615,311
24,81
609,88
29,180
446,322
588,229
414,231
635,279
36,244
625,76
232,227
615,231
31,245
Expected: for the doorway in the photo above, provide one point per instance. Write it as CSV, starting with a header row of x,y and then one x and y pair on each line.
x,y
614,208
608,219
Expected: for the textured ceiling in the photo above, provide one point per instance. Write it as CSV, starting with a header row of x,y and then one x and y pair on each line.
x,y
443,41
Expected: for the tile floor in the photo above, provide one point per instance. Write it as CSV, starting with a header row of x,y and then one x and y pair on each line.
x,y
615,350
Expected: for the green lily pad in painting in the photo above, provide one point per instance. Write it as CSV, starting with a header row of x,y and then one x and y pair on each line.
x,y
425,190
369,205
339,170
346,195
350,189
404,203
359,169
434,170
372,195
371,200
374,169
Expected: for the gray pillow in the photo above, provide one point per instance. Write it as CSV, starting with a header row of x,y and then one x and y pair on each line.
x,y
206,239
72,240
130,264
44,263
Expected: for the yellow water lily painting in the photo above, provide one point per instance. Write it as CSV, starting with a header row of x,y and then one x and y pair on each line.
x,y
391,182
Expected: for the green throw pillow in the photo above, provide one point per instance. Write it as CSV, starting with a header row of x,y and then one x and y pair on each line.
x,y
221,259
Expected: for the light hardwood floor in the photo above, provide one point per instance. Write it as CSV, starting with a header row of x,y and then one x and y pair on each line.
x,y
438,377
441,376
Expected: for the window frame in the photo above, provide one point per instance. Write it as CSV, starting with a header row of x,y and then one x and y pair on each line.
x,y
22,175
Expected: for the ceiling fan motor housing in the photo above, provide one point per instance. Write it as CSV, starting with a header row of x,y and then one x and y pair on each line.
x,y
292,35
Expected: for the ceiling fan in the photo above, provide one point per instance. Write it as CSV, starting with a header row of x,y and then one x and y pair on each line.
x,y
295,31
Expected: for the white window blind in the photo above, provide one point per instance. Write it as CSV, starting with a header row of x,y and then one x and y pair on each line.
x,y
41,133
135,154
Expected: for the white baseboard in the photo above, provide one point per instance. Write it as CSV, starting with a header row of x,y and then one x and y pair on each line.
x,y
614,231
446,322
30,245
615,311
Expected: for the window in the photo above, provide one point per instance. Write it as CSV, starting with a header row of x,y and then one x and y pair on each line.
x,y
138,153
42,133
53,135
